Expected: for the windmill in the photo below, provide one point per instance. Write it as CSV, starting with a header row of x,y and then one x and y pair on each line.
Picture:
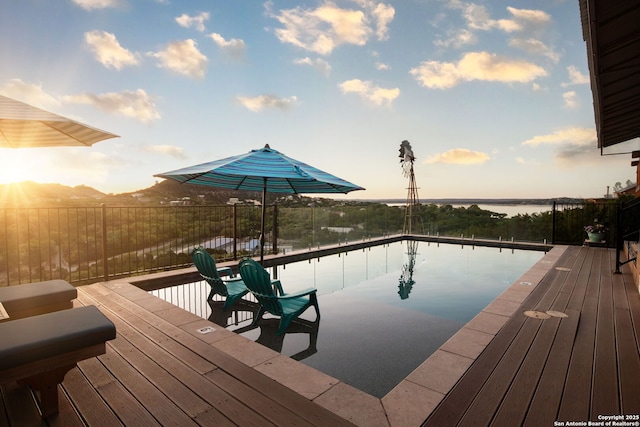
x,y
411,215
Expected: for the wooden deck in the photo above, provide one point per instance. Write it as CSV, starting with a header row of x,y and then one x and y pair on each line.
x,y
162,370
576,368
156,373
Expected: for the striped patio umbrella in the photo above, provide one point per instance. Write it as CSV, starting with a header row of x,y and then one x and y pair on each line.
x,y
24,126
265,170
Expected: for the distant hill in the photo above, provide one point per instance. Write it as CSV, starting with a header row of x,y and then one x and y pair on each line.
x,y
169,189
31,194
507,201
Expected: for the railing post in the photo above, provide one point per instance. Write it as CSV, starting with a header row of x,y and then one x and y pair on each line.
x,y
274,245
235,232
553,224
105,256
619,237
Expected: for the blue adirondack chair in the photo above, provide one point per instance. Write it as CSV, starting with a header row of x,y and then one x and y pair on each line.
x,y
232,288
276,302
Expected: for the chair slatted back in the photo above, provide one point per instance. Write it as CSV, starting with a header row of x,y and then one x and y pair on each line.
x,y
206,266
258,280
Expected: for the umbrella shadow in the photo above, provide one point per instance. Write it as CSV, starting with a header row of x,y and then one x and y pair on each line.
x,y
243,312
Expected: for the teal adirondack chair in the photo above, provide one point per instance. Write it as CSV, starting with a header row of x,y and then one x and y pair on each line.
x,y
278,303
232,289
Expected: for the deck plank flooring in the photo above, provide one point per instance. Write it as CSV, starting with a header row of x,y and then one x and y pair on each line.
x,y
162,352
574,368
533,372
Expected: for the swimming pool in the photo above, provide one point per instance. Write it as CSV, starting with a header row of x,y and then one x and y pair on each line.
x,y
384,309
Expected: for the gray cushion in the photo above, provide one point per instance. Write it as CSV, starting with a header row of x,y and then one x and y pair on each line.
x,y
40,337
28,295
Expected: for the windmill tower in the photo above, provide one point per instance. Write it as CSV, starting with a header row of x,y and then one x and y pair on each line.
x,y
411,213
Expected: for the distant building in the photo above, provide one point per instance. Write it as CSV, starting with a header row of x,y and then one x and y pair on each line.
x,y
631,189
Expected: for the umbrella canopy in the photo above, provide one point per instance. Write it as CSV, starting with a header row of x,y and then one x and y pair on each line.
x,y
265,170
249,172
22,126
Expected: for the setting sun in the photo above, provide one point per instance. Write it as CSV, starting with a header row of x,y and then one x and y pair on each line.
x,y
14,167
40,165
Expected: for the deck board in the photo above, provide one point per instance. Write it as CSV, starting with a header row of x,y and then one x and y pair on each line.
x,y
562,368
87,400
462,399
215,379
533,372
546,400
202,397
604,389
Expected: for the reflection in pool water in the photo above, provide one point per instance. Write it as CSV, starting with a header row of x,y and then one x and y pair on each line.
x,y
384,309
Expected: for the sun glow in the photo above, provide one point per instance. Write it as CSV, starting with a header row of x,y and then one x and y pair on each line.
x,y
18,167
13,167
27,164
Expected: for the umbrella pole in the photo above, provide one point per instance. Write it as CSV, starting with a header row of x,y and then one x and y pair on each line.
x,y
264,212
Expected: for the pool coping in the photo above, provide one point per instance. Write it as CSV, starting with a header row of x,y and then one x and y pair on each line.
x,y
415,397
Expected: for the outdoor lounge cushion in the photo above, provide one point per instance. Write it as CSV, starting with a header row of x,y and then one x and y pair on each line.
x,y
37,298
46,335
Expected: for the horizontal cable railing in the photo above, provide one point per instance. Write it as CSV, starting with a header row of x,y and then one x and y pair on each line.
x,y
88,244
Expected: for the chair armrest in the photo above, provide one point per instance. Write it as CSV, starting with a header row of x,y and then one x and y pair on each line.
x,y
277,287
301,293
225,271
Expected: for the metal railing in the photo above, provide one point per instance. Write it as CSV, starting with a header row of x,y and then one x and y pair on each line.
x,y
628,222
569,220
89,244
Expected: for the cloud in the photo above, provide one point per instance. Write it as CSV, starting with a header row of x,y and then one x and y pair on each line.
x,y
570,100
576,77
29,93
259,103
572,136
234,47
369,91
383,14
535,46
107,50
459,156
322,29
538,18
319,64
168,150
96,4
537,88
182,57
457,40
196,22
475,66
135,104
567,155
478,18
382,66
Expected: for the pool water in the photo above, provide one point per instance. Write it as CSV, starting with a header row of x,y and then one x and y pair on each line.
x,y
384,309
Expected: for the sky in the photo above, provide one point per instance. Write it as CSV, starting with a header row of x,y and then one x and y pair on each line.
x,y
493,96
